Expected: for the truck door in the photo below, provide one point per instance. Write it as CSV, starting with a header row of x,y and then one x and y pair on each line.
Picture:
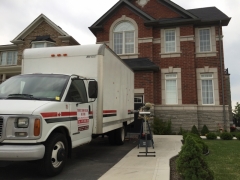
x,y
80,110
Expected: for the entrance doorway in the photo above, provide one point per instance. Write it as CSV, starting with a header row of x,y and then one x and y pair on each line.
x,y
136,125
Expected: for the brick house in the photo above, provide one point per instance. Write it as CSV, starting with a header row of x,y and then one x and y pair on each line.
x,y
177,57
42,32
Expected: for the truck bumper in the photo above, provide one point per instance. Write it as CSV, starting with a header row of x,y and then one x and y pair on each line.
x,y
21,152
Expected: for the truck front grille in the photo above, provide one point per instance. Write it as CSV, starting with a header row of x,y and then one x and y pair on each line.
x,y
1,126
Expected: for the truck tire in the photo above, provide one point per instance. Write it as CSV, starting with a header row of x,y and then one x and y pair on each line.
x,y
111,137
56,150
120,136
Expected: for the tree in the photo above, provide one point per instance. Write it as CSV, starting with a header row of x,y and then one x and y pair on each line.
x,y
237,111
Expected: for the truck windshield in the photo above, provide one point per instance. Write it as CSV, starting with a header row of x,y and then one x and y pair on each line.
x,y
34,86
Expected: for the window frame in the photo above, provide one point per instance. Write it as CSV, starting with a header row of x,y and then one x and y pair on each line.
x,y
210,41
44,42
175,41
12,60
171,78
207,78
124,38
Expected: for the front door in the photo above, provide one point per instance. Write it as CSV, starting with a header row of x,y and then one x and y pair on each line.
x,y
81,125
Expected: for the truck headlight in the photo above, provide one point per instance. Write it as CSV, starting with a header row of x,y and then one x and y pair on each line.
x,y
22,122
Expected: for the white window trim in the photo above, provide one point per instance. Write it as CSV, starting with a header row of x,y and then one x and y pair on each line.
x,y
210,34
214,72
45,43
207,78
7,55
171,70
171,78
213,48
111,39
177,52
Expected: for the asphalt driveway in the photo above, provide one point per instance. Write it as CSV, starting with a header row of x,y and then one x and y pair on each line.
x,y
88,162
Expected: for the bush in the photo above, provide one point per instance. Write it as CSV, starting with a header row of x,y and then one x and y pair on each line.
x,y
161,128
226,136
195,130
198,140
191,164
204,130
211,136
238,136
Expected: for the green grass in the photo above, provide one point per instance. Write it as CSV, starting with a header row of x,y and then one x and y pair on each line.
x,y
224,159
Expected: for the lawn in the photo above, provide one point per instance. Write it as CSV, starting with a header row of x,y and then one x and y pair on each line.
x,y
224,158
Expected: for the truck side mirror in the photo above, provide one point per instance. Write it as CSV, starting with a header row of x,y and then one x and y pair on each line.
x,y
93,89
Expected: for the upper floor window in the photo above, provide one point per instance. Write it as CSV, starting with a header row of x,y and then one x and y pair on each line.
x,y
123,37
207,88
42,44
8,58
170,41
171,89
204,39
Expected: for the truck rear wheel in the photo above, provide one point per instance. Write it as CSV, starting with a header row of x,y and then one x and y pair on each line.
x,y
120,136
55,156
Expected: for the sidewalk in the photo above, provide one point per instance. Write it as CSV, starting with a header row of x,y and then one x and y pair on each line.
x,y
147,168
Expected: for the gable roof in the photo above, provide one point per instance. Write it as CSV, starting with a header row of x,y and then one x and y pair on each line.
x,y
35,23
98,23
194,16
182,12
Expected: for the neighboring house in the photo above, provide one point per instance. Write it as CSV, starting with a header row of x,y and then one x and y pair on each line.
x,y
177,57
42,32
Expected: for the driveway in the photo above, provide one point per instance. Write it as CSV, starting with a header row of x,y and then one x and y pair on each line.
x,y
88,162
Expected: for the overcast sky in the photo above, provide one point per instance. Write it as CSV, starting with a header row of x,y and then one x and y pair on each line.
x,y
75,16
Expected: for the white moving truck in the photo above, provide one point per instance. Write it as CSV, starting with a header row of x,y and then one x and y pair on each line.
x,y
64,97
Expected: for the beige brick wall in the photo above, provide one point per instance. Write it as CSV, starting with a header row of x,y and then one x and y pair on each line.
x,y
42,29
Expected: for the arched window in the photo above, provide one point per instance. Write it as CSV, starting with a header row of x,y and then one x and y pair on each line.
x,y
123,36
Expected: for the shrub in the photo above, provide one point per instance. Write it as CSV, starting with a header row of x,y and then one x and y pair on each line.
x,y
161,128
198,140
211,136
238,136
204,130
195,130
226,136
190,163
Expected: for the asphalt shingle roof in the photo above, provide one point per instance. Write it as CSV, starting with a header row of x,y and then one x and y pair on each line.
x,y
209,14
141,64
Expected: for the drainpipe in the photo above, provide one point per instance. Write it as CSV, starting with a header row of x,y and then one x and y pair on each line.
x,y
222,75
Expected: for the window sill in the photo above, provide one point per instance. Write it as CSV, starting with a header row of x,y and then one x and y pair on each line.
x,y
170,55
128,56
206,54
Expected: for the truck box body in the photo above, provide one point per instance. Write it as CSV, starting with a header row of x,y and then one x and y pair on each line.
x,y
115,79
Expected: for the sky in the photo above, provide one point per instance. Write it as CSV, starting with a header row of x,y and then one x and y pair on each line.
x,y
75,16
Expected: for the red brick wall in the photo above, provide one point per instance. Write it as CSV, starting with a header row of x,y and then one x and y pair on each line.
x,y
145,80
188,62
157,10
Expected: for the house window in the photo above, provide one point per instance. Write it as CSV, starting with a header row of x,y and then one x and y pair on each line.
x,y
204,38
170,41
171,89
123,37
8,58
42,44
207,88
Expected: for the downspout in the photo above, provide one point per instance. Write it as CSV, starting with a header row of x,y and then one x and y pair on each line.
x,y
222,76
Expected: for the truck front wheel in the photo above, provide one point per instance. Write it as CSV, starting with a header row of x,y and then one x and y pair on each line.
x,y
55,156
